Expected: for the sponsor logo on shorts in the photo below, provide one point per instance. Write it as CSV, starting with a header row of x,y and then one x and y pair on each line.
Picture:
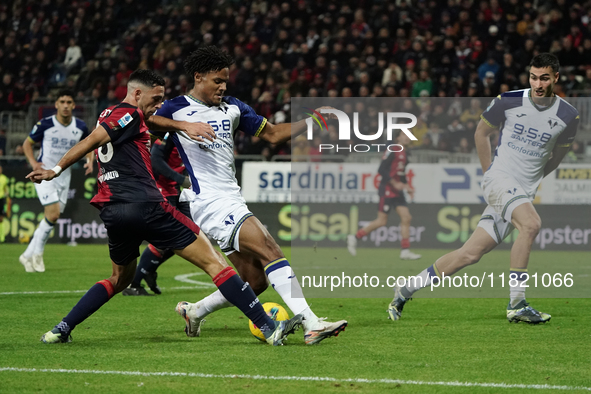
x,y
229,220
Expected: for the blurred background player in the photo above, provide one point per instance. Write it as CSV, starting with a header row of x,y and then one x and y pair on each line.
x,y
57,134
391,191
134,210
537,129
168,169
216,203
4,202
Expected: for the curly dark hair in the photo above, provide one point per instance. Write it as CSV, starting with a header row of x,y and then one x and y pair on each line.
x,y
65,92
545,60
207,59
147,78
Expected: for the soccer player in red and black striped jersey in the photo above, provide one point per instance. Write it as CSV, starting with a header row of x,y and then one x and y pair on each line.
x,y
169,173
134,210
391,192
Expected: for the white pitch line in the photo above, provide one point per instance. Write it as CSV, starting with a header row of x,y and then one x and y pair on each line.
x,y
298,378
181,278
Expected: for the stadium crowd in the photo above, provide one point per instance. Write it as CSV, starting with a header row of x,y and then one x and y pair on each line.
x,y
413,49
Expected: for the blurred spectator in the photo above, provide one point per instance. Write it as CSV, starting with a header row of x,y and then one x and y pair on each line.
x,y
73,60
19,97
3,142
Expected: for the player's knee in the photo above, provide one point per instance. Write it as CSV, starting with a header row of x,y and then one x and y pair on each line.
x,y
406,219
272,250
53,217
531,227
469,256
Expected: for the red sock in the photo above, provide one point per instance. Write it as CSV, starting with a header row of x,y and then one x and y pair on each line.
x,y
360,234
405,243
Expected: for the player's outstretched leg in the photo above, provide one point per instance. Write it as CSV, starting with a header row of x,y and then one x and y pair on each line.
x,y
97,296
236,291
254,239
479,243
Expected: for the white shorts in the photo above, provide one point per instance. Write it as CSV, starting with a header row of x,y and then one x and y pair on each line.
x,y
503,194
56,190
221,219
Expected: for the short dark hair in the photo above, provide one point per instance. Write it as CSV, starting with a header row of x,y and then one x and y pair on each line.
x,y
545,60
147,78
65,92
207,59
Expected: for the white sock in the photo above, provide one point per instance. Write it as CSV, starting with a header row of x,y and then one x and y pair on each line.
x,y
422,280
517,293
211,303
28,253
286,284
42,235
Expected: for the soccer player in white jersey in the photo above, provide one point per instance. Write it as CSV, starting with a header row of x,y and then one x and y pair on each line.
x,y
536,131
57,134
217,206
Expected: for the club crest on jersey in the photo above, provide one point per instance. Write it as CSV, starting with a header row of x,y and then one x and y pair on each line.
x,y
229,220
552,123
125,120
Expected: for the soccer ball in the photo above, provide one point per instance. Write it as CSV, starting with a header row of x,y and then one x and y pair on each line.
x,y
23,237
275,312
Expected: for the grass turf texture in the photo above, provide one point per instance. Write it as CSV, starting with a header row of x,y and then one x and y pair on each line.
x,y
437,340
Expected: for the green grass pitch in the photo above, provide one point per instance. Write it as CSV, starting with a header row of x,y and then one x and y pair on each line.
x,y
439,341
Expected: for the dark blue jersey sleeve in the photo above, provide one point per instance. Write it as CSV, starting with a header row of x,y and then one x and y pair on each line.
x,y
250,122
494,115
82,126
38,131
570,116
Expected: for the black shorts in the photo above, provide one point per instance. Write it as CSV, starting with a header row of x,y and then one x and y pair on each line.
x,y
183,206
2,204
129,224
387,204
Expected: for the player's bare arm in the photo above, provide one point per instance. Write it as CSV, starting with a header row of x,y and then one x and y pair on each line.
x,y
482,142
196,131
28,151
558,154
277,134
97,138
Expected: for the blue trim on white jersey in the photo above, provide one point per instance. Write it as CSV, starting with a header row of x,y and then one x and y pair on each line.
x,y
169,107
566,112
82,126
250,121
194,182
38,130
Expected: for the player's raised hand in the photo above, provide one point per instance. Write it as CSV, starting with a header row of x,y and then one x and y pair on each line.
x,y
41,175
199,131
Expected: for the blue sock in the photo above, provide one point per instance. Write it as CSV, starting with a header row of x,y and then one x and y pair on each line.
x,y
150,260
241,295
90,302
